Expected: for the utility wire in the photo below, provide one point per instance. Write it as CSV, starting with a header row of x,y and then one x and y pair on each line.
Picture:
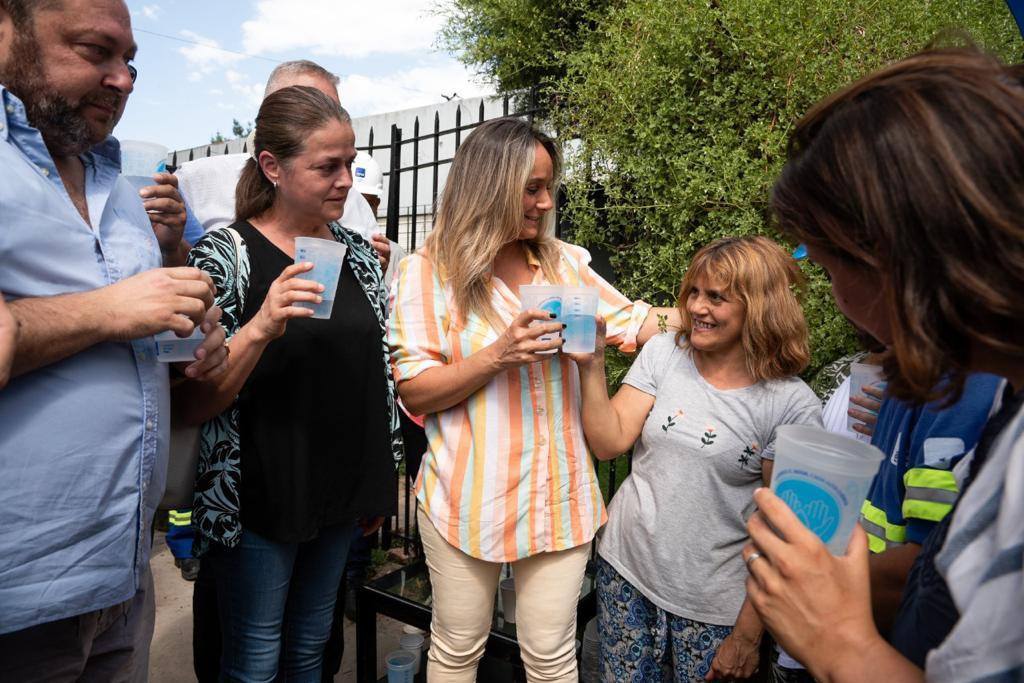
x,y
214,47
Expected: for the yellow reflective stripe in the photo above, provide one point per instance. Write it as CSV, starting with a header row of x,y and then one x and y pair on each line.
x,y
926,510
928,478
179,518
882,534
930,494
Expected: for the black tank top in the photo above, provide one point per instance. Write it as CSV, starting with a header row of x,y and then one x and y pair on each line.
x,y
315,444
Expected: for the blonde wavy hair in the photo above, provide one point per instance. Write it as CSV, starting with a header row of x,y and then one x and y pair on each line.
x,y
480,211
759,274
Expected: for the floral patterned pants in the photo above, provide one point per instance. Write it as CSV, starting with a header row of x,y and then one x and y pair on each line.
x,y
642,643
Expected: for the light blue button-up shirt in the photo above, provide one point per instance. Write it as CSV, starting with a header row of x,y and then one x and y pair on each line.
x,y
83,441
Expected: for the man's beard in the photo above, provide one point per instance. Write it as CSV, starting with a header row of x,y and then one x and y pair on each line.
x,y
65,130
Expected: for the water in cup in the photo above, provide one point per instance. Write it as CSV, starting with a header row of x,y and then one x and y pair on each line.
x,y
327,257
546,298
170,348
400,664
579,309
824,478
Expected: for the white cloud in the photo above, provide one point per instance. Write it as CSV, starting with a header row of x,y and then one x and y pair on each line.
x,y
204,57
151,11
349,29
418,86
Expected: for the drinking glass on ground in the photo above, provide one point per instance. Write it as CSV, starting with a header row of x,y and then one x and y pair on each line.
x,y
508,600
579,311
546,298
824,478
400,665
327,257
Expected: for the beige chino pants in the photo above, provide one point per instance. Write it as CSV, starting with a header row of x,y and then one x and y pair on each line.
x,y
464,588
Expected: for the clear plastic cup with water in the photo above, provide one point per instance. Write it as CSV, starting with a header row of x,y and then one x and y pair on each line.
x,y
401,665
170,348
546,298
327,257
413,642
579,313
824,478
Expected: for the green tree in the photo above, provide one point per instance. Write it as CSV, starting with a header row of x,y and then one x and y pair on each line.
x,y
240,131
237,130
681,112
520,44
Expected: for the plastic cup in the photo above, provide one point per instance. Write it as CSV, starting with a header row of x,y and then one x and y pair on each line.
x,y
170,348
413,642
400,665
140,158
508,599
327,257
139,181
546,298
862,375
579,311
824,478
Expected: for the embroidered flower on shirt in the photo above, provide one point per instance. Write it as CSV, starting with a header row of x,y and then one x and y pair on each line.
x,y
748,453
670,421
709,436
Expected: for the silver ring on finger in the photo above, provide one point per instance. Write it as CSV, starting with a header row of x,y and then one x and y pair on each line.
x,y
750,560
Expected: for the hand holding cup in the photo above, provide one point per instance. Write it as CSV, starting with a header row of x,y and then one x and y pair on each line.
x,y
280,305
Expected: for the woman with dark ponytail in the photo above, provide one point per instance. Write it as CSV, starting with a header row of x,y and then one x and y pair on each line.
x,y
301,436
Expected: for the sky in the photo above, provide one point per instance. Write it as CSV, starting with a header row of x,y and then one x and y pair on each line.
x,y
203,63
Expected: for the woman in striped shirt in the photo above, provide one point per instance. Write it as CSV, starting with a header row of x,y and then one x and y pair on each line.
x,y
507,476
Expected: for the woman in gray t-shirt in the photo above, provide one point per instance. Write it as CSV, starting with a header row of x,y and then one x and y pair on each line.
x,y
700,409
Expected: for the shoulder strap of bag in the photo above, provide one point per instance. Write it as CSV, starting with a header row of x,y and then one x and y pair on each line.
x,y
239,249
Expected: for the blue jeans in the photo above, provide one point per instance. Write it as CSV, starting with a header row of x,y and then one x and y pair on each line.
x,y
276,603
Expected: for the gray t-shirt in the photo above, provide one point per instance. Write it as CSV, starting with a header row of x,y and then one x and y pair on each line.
x,y
677,524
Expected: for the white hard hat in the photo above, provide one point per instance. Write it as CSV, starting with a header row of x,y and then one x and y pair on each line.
x,y
366,175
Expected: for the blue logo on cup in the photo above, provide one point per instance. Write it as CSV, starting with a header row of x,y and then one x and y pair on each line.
x,y
553,305
813,506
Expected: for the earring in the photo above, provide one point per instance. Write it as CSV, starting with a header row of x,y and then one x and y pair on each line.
x,y
275,184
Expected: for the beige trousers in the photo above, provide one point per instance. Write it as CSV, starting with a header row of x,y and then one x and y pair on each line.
x,y
464,588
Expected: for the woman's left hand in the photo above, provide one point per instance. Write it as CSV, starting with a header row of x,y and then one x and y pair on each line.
x,y
737,657
815,604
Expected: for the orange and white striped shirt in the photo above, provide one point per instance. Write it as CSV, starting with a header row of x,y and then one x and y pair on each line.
x,y
507,473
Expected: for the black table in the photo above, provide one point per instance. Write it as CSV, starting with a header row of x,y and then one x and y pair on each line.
x,y
405,595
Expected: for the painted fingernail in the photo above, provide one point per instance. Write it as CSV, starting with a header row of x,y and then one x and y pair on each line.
x,y
564,326
552,315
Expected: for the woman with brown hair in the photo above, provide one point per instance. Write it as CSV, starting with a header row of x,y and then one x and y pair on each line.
x,y
302,433
699,408
908,188
507,476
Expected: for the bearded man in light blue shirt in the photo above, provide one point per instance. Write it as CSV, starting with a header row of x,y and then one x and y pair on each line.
x,y
84,418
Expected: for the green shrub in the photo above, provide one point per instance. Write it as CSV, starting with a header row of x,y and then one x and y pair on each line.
x,y
682,111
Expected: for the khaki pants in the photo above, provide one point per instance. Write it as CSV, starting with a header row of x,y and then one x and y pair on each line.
x,y
547,591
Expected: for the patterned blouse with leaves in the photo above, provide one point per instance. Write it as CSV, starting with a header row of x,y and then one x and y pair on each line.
x,y
215,510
